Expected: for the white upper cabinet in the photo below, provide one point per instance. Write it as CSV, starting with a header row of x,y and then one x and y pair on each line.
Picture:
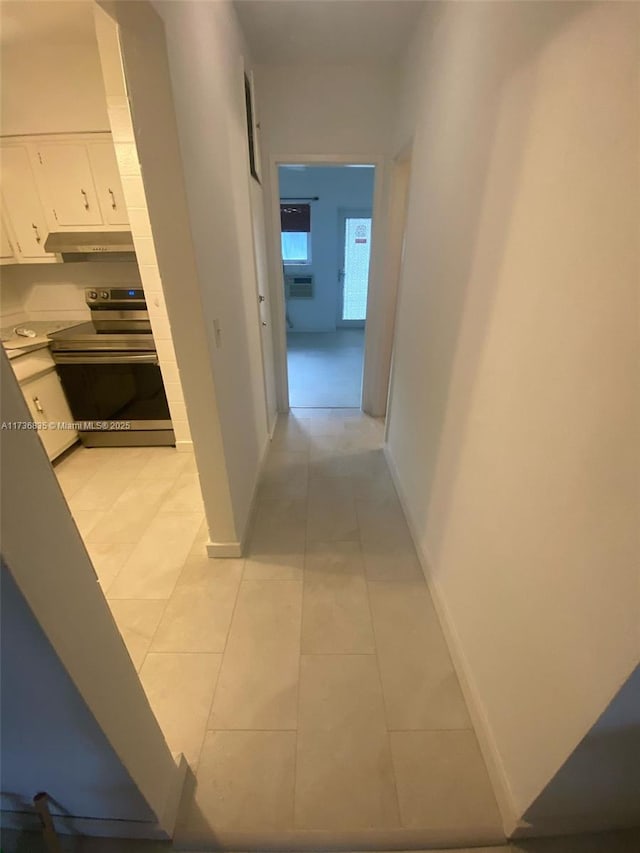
x,y
7,255
107,181
22,205
67,182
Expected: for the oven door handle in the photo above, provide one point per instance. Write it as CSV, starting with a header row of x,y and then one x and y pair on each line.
x,y
104,358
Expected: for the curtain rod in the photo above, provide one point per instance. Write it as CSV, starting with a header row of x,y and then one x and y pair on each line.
x,y
308,198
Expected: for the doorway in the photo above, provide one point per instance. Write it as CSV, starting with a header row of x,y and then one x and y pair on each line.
x,y
326,227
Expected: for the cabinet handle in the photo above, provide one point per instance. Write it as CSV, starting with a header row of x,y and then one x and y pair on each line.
x,y
38,405
86,200
35,229
113,199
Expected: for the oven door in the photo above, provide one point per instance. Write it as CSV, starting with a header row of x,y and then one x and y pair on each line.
x,y
118,390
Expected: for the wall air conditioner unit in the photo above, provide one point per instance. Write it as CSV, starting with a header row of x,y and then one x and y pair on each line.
x,y
299,286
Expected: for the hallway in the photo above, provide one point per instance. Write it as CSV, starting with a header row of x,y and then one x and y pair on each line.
x,y
336,707
308,685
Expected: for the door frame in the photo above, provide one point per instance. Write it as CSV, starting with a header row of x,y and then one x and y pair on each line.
x,y
345,213
397,225
376,267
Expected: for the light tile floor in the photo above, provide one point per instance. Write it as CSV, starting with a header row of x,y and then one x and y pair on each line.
x,y
325,368
309,685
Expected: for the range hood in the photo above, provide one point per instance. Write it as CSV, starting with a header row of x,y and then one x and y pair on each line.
x,y
75,246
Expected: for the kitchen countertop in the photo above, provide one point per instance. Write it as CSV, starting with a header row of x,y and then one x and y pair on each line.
x,y
17,345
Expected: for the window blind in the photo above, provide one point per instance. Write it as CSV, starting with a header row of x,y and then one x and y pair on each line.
x,y
295,218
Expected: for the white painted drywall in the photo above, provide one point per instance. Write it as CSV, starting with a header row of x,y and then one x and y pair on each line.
x,y
325,111
599,785
139,45
514,410
332,109
338,188
50,740
52,86
207,63
52,570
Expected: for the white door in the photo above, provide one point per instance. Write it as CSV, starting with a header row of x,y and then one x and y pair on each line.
x,y
355,252
68,183
22,203
107,182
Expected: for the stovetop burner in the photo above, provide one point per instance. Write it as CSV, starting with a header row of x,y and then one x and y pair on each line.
x,y
119,322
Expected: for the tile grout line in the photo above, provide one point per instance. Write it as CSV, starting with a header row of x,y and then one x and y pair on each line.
x,y
222,655
152,518
382,691
166,603
156,515
304,568
102,467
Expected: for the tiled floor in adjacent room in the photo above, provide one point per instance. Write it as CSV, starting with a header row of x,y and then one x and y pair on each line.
x,y
325,368
309,685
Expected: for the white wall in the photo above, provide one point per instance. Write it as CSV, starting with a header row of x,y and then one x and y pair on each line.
x,y
57,291
597,787
337,188
53,84
135,39
206,62
12,309
50,740
325,110
318,109
514,412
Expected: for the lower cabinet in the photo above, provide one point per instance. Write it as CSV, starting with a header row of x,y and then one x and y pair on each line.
x,y
47,404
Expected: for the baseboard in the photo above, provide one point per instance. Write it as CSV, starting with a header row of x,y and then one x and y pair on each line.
x,y
167,820
105,828
26,822
237,549
184,446
224,549
486,741
256,487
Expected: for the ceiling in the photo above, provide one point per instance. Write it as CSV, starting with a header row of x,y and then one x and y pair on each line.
x,y
336,32
278,31
53,21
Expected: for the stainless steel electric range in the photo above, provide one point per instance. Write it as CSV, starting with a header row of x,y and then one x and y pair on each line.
x,y
110,373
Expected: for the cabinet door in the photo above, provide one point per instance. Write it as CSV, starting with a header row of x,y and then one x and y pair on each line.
x,y
108,184
22,204
6,249
68,183
47,403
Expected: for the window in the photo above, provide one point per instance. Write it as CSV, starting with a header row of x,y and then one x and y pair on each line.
x,y
295,248
295,222
355,279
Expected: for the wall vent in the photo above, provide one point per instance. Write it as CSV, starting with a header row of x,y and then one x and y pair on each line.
x,y
299,286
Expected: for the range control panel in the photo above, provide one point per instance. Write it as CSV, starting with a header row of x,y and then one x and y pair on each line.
x,y
116,297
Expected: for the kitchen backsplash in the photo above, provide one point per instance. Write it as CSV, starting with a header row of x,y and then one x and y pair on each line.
x,y
56,291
